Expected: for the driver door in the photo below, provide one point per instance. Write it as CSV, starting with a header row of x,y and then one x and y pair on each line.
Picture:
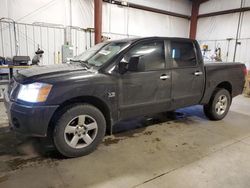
x,y
148,89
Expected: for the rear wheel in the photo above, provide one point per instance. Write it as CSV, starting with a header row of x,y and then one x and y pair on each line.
x,y
79,130
219,104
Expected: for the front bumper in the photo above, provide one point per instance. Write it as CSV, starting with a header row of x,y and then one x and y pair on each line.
x,y
28,120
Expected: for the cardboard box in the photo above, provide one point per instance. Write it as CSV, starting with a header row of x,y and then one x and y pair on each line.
x,y
246,91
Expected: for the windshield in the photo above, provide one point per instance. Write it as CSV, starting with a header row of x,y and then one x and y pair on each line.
x,y
88,53
101,53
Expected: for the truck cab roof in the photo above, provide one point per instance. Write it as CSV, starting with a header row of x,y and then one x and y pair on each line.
x,y
138,39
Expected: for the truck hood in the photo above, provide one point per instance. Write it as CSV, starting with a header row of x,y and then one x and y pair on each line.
x,y
48,71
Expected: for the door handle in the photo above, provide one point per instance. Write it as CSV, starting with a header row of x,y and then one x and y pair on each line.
x,y
164,77
198,73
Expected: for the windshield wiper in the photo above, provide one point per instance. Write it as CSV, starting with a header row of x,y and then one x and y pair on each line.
x,y
85,63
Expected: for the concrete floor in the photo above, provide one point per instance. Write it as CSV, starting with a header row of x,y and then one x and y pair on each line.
x,y
181,149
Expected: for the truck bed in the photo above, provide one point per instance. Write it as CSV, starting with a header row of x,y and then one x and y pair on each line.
x,y
217,72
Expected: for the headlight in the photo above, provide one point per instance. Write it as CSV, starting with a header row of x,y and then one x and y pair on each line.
x,y
35,92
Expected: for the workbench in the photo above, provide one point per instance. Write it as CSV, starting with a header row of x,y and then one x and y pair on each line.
x,y
11,67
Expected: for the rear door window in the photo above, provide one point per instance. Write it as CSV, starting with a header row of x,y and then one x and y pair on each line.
x,y
183,54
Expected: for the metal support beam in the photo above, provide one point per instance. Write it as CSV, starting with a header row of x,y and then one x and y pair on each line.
x,y
238,31
98,20
231,11
194,19
146,8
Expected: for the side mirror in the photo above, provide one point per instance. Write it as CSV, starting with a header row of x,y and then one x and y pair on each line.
x,y
133,63
122,67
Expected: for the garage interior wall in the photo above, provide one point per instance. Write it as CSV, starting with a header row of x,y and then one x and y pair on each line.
x,y
118,22
42,24
216,31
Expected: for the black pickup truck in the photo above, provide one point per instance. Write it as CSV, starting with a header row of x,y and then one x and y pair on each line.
x,y
78,103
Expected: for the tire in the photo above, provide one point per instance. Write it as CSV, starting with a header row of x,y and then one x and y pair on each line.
x,y
79,130
219,104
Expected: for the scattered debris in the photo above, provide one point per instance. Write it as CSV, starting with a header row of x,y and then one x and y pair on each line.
x,y
109,141
20,163
3,178
148,132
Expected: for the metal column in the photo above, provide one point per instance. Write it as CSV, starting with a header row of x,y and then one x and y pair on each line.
x,y
98,20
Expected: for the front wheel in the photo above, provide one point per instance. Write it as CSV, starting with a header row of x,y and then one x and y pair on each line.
x,y
219,104
79,130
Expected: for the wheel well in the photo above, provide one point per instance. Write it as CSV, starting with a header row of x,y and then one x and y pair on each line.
x,y
225,85
85,99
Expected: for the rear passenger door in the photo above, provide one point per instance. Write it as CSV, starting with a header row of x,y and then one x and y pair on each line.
x,y
187,74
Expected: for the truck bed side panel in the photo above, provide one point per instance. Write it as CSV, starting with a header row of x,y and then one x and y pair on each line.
x,y
217,73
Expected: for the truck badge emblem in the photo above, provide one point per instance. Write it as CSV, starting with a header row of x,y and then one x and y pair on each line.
x,y
111,94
